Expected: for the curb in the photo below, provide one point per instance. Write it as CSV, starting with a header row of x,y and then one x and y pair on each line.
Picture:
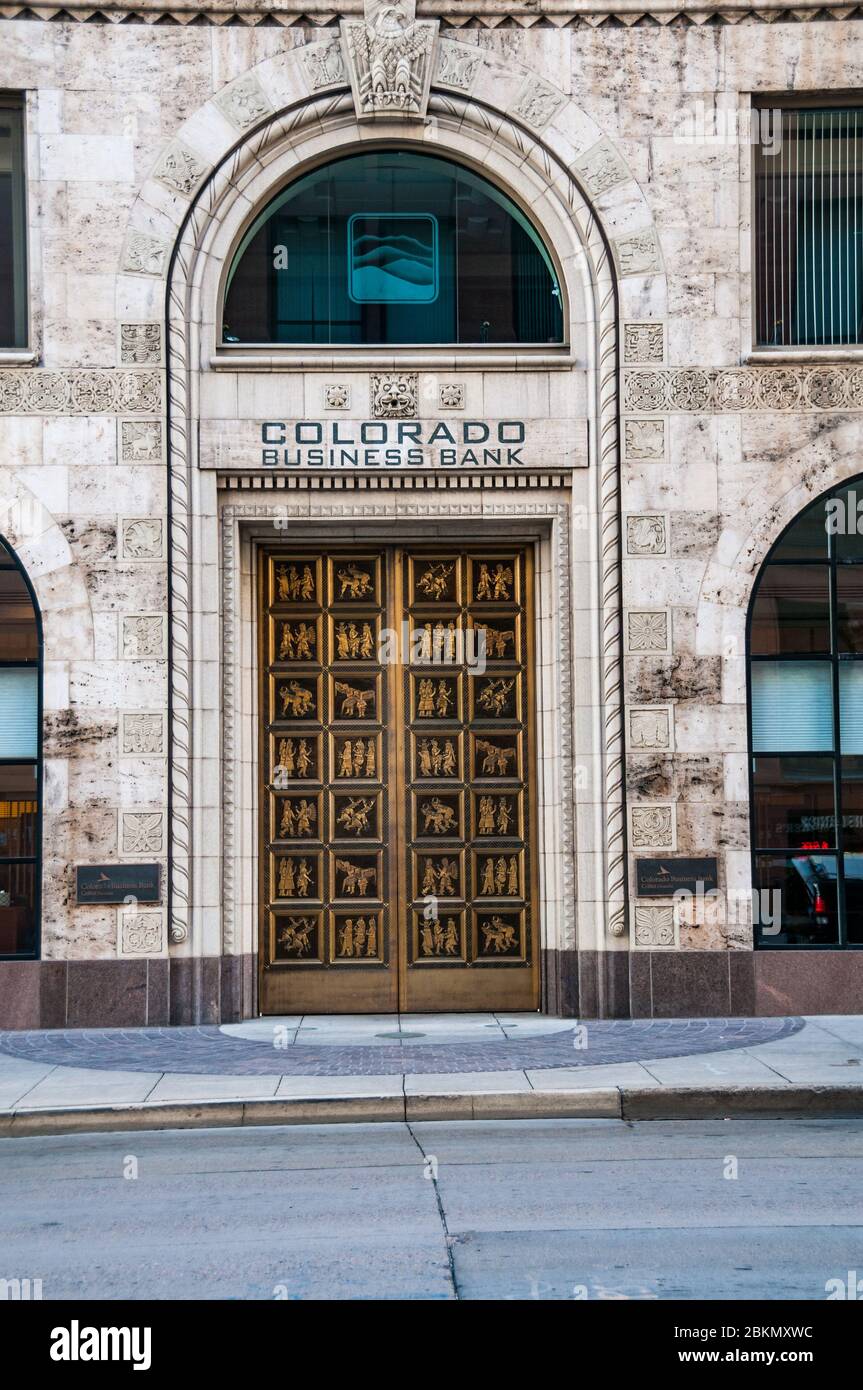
x,y
617,1103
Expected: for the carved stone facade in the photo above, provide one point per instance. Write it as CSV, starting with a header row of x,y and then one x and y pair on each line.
x,y
667,456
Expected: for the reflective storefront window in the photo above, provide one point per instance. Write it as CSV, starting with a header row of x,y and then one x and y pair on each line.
x,y
806,728
19,763
392,247
13,226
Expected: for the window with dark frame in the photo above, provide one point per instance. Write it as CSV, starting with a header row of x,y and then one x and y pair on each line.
x,y
808,253
20,763
805,645
13,225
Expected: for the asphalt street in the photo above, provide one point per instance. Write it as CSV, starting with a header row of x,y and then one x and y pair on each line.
x,y
767,1209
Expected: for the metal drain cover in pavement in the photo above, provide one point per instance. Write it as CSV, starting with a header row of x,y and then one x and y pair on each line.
x,y
400,1035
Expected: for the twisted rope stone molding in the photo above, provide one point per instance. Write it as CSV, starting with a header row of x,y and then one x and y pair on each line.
x,y
453,14
705,391
36,392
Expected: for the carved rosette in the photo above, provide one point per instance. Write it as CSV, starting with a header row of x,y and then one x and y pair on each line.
x,y
388,55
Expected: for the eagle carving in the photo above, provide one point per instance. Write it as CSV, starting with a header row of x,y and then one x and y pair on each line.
x,y
389,58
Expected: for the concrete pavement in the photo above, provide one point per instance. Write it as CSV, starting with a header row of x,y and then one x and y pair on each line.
x,y
568,1209
810,1066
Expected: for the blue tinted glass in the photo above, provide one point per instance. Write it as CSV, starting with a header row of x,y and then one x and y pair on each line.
x,y
792,706
392,260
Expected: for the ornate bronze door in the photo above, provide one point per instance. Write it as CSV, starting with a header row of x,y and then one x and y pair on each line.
x,y
397,803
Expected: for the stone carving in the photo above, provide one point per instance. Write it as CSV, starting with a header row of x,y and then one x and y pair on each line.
x,y
735,390
643,342
690,389
145,254
637,254
652,827
36,392
143,636
654,926
538,102
323,64
706,391
243,103
645,535
649,728
644,439
647,632
395,396
645,391
389,59
601,168
140,441
141,934
142,734
337,397
457,65
142,538
180,169
826,388
140,344
780,390
143,832
451,395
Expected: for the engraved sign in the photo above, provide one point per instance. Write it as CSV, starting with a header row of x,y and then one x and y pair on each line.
x,y
114,883
662,878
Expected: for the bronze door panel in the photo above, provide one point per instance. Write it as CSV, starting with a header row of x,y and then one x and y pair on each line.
x,y
397,803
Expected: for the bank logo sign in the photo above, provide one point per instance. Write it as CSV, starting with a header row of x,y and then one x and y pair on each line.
x,y
392,259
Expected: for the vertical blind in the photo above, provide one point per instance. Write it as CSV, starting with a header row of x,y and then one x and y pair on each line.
x,y
808,230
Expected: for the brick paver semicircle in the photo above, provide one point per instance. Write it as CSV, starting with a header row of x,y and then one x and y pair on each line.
x,y
208,1051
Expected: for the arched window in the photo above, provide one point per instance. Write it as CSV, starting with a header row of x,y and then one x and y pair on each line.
x,y
392,247
806,728
20,761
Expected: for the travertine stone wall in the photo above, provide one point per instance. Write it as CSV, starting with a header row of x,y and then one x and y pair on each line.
x,y
718,451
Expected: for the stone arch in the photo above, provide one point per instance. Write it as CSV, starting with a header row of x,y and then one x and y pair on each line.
x,y
299,103
47,559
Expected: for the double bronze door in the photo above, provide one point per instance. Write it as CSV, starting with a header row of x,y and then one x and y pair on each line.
x,y
398,859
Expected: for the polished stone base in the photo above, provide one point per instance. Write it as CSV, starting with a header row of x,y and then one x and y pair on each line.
x,y
586,984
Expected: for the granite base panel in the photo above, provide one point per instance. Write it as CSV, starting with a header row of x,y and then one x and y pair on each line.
x,y
586,984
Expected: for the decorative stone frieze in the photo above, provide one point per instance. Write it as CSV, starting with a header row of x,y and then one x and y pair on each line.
x,y
141,441
142,832
643,342
652,827
711,391
395,395
140,344
145,254
601,168
654,925
648,631
244,102
650,727
644,439
451,395
143,636
537,103
637,254
389,60
324,65
180,169
140,933
337,397
37,392
458,65
646,535
142,538
142,734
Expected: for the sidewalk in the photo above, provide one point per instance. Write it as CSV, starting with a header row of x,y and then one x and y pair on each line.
x,y
412,1067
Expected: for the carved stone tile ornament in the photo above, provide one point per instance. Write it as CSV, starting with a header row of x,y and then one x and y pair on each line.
x,y
451,395
180,169
145,254
645,535
142,734
457,65
395,396
647,632
29,392
650,728
324,65
140,934
389,59
337,397
243,103
142,832
142,538
538,102
654,926
140,441
652,827
140,344
643,342
644,439
707,391
637,254
143,636
601,168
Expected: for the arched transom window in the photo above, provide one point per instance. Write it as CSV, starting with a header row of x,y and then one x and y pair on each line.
x,y
806,722
20,752
392,247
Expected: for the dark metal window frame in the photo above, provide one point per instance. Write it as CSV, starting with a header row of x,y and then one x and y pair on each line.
x,y
16,101
834,658
37,664
826,101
